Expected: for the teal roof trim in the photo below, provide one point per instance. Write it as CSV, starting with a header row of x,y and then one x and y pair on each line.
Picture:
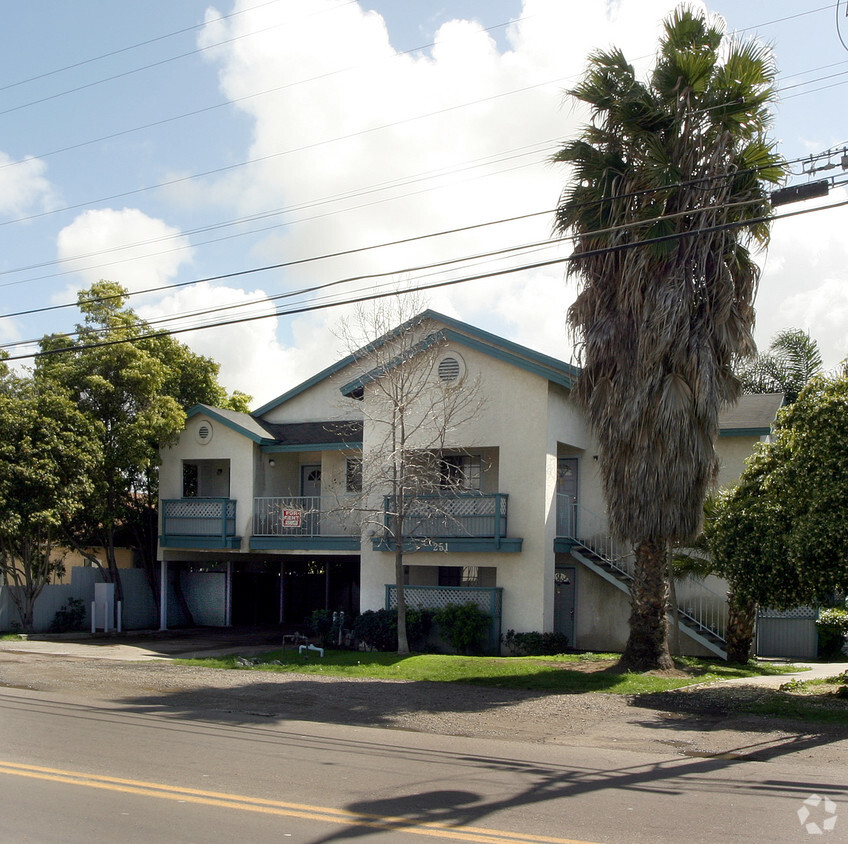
x,y
300,388
744,432
280,448
228,421
546,367
555,370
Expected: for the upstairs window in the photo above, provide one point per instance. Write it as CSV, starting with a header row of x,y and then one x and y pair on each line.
x,y
353,474
460,472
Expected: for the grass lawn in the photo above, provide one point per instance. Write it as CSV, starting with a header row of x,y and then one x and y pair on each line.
x,y
565,673
824,700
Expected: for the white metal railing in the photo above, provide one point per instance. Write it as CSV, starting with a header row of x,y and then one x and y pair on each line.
x,y
301,515
699,604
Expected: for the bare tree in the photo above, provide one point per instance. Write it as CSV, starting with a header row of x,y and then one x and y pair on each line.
x,y
412,401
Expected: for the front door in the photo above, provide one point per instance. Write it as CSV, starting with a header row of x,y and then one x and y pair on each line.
x,y
310,488
564,584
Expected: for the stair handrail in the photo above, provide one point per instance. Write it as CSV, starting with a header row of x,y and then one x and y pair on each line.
x,y
702,607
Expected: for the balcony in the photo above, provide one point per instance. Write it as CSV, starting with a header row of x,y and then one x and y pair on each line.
x,y
199,523
461,521
303,522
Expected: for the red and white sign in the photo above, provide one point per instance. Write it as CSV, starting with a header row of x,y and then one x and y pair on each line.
x,y
291,518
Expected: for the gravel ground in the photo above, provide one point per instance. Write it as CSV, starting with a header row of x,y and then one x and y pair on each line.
x,y
697,721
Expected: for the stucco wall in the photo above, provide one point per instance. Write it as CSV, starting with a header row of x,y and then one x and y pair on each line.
x,y
732,454
224,444
512,418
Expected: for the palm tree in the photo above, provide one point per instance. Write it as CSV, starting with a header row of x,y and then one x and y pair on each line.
x,y
667,191
793,359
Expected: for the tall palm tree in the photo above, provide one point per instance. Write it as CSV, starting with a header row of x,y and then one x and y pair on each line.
x,y
667,191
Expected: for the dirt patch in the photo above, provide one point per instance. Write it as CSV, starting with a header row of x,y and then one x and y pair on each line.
x,y
705,720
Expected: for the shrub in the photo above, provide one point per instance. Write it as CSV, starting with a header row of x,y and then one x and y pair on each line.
x,y
832,625
463,626
70,616
535,643
321,622
419,623
378,628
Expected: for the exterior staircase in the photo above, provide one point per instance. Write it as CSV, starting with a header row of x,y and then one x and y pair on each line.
x,y
701,613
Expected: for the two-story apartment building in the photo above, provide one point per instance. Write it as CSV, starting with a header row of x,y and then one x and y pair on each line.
x,y
264,517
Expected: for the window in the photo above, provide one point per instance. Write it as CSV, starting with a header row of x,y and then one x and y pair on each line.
x,y
460,472
191,478
450,575
465,576
353,474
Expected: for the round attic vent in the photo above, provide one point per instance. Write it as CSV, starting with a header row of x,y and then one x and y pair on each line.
x,y
204,432
449,368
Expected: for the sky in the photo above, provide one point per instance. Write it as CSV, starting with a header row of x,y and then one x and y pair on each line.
x,y
223,160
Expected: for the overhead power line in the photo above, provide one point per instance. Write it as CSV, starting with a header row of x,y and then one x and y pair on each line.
x,y
397,242
445,283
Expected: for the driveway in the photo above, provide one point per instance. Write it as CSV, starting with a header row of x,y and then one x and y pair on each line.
x,y
150,645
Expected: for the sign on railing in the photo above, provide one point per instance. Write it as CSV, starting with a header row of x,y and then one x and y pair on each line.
x,y
301,515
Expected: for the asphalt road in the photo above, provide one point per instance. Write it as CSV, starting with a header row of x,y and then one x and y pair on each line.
x,y
72,772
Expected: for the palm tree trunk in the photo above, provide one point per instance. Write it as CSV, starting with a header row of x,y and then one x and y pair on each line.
x,y
741,615
647,644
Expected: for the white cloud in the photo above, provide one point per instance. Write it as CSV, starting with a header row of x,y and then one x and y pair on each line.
x,y
394,146
125,246
251,358
805,281
364,145
24,187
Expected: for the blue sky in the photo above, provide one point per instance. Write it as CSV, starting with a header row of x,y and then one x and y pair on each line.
x,y
127,129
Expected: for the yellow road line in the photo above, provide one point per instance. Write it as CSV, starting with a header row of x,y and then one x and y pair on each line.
x,y
276,807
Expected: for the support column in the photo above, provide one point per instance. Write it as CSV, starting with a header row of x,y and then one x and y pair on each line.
x,y
163,595
228,596
282,592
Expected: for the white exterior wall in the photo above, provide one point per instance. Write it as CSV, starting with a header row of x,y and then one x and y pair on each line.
x,y
732,454
320,402
514,420
224,444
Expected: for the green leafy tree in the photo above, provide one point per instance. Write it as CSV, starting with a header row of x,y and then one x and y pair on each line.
x,y
46,449
781,535
668,190
792,359
134,389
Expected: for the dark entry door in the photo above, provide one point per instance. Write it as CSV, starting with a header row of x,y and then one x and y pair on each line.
x,y
564,591
310,488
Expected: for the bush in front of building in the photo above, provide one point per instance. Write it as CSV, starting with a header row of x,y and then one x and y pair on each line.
x,y
377,629
463,626
535,643
832,626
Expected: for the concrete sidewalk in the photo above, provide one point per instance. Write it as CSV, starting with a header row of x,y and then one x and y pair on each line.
x,y
149,645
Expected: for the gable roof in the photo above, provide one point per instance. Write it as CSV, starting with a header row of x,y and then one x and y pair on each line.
x,y
314,436
459,332
750,416
242,423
